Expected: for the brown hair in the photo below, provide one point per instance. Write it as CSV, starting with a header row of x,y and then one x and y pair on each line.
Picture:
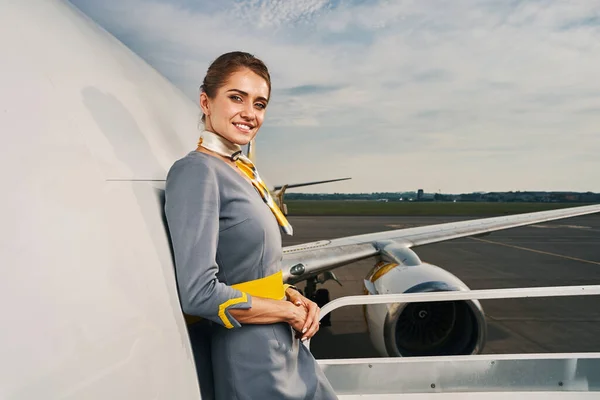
x,y
226,65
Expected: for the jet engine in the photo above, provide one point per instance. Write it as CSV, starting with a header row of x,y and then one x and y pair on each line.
x,y
420,329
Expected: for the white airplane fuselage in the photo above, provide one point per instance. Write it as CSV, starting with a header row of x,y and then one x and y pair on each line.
x,y
89,300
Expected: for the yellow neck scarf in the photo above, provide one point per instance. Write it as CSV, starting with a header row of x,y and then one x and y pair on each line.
x,y
224,147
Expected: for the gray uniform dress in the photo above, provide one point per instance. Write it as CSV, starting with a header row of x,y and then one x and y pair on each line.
x,y
222,234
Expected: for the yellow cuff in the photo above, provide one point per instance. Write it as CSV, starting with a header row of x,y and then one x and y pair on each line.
x,y
228,303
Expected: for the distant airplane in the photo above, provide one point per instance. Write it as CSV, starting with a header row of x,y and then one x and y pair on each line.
x,y
90,308
278,191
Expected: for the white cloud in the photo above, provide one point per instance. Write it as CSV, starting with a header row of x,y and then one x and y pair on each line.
x,y
463,95
275,13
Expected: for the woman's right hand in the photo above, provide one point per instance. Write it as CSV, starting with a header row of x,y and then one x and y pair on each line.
x,y
296,317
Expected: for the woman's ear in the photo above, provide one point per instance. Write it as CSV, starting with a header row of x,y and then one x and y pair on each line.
x,y
204,104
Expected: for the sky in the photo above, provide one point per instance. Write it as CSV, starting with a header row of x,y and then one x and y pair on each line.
x,y
445,96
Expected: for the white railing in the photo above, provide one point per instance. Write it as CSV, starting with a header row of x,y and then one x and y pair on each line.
x,y
484,294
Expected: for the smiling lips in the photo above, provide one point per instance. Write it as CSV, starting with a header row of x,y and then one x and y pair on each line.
x,y
243,127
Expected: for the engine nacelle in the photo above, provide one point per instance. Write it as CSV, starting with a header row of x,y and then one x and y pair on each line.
x,y
421,329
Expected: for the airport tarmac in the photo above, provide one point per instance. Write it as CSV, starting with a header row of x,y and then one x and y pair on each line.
x,y
557,253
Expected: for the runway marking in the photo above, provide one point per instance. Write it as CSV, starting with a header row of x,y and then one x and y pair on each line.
x,y
580,227
536,251
561,226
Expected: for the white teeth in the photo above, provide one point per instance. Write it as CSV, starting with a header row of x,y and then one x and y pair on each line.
x,y
242,126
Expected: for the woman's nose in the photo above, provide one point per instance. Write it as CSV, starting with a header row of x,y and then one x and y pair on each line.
x,y
247,111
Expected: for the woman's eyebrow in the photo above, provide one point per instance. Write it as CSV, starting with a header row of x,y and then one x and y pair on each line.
x,y
246,94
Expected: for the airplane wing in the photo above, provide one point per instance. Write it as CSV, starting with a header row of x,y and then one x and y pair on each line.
x,y
303,261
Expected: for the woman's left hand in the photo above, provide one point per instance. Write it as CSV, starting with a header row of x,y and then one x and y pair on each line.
x,y
311,325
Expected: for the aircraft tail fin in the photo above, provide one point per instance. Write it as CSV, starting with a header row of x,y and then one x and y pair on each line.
x,y
251,151
279,191
296,185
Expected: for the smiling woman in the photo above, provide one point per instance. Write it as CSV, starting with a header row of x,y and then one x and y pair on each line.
x,y
234,95
245,325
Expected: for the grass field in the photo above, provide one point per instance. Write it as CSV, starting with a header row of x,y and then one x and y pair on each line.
x,y
341,207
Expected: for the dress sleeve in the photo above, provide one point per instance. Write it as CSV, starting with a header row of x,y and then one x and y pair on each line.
x,y
192,212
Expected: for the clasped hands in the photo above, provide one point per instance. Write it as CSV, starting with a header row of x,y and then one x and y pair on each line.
x,y
305,315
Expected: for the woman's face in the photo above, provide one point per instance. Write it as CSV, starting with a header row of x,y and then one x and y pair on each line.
x,y
238,109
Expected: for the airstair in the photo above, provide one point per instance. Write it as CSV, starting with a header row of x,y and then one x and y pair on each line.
x,y
487,376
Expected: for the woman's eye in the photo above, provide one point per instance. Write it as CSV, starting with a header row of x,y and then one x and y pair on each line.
x,y
261,106
236,98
